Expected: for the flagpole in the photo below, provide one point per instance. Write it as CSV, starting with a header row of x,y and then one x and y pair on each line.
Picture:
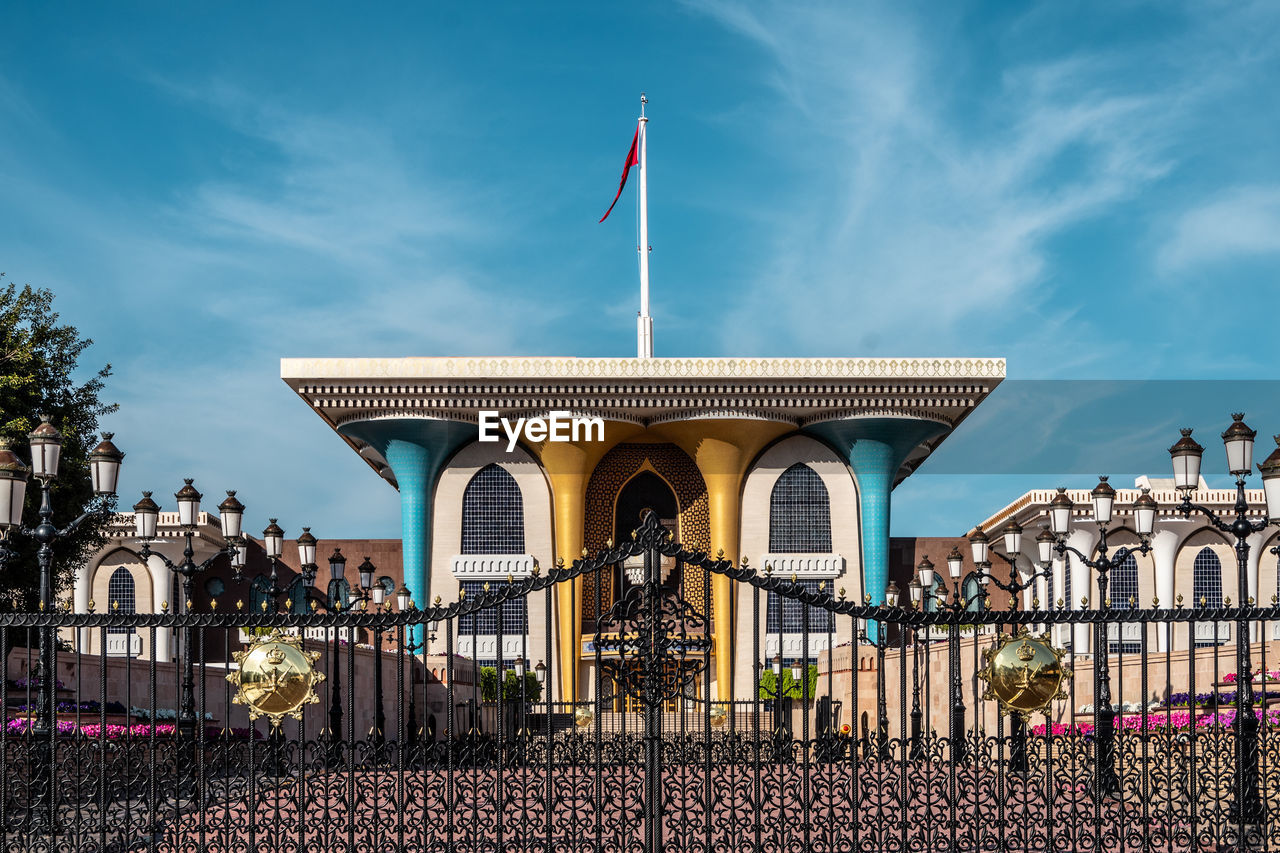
x,y
644,331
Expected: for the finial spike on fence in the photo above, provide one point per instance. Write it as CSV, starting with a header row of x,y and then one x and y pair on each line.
x,y
719,553
510,578
1155,601
486,586
115,606
794,577
1251,601
213,604
1226,602
264,605
438,599
867,599
1084,601
239,605
1061,603
188,603
91,605
1178,600
164,606
842,592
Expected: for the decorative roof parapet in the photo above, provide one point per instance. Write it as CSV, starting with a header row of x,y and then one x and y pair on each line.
x,y
569,367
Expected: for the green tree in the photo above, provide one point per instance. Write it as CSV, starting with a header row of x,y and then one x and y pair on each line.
x,y
39,363
510,686
790,687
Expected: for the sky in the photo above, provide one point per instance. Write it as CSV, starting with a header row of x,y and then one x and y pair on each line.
x,y
1090,190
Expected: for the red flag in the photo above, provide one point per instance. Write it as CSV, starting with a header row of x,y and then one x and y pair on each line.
x,y
633,159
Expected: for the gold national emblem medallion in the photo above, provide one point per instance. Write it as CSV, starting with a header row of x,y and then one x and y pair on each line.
x,y
1024,673
276,677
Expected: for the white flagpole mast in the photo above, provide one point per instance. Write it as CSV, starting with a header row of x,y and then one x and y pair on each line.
x,y
644,331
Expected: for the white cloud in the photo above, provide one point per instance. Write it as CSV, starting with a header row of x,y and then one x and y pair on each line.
x,y
931,201
1241,222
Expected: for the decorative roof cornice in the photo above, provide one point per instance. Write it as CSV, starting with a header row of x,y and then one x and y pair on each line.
x,y
301,369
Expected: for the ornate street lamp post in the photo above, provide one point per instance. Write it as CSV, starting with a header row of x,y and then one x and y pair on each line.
x,y
146,514
337,567
104,471
377,594
1144,513
916,589
1186,456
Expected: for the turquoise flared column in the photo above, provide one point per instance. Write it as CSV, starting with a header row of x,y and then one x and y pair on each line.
x,y
875,449
416,449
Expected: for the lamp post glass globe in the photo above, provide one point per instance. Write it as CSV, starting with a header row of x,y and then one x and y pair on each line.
x,y
891,594
777,665
337,565
231,514
104,466
402,598
540,671
797,668
955,563
1013,538
188,498
379,594
1104,499
1060,513
273,539
1044,544
916,590
13,487
1238,441
306,548
1270,470
926,572
146,514
46,449
1186,454
1144,513
366,574
240,556
979,543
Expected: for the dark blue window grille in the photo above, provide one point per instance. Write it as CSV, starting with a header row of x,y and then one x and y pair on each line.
x,y
339,593
974,598
799,513
121,597
257,594
492,513
515,614
786,615
1206,592
1123,587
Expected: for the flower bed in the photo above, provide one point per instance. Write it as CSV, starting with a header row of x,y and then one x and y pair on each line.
x,y
1161,721
69,728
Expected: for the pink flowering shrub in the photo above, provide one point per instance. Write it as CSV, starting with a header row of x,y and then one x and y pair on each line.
x,y
68,728
1166,721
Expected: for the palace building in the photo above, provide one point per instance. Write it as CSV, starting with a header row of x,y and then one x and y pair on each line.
x,y
790,462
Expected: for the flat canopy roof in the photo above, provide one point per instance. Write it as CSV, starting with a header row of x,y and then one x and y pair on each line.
x,y
797,391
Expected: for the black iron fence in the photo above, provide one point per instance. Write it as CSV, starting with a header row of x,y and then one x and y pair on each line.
x,y
882,741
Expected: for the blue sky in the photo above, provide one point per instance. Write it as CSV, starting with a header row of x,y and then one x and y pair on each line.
x,y
1090,190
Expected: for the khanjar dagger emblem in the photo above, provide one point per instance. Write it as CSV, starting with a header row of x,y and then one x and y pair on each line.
x,y
276,678
1024,673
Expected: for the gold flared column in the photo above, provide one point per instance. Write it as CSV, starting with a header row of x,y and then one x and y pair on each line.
x,y
722,450
569,466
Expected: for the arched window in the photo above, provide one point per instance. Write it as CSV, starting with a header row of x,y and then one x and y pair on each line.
x,y
339,594
258,587
121,597
934,595
1124,584
974,600
1206,592
1124,637
1206,580
799,513
492,513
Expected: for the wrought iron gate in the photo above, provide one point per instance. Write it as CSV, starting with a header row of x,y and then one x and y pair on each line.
x,y
881,740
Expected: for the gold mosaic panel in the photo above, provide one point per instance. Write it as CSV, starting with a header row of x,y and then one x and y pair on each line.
x,y
614,471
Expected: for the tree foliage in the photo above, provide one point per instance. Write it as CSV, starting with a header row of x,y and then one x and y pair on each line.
x,y
791,688
510,686
39,374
